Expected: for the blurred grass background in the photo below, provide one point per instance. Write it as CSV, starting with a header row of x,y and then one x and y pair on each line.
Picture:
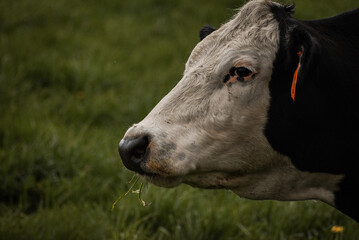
x,y
74,75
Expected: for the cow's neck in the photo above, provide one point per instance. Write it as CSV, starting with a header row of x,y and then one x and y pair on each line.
x,y
319,131
285,182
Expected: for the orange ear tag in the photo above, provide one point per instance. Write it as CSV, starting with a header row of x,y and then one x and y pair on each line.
x,y
295,79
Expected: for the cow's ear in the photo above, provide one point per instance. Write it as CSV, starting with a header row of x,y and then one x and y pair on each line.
x,y
205,31
304,50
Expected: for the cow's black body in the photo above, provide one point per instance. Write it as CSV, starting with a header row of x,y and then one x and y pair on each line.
x,y
319,130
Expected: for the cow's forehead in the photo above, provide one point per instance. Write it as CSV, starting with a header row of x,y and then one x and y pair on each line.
x,y
254,28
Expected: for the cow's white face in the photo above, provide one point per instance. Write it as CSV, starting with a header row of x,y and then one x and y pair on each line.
x,y
208,130
205,130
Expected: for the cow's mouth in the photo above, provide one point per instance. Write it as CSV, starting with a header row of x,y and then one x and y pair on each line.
x,y
200,179
139,155
162,181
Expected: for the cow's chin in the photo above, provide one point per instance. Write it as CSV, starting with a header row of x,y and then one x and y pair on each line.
x,y
162,181
207,180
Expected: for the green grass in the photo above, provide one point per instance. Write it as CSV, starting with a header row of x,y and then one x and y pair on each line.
x,y
74,75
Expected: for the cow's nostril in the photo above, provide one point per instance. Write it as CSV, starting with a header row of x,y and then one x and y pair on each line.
x,y
140,146
133,152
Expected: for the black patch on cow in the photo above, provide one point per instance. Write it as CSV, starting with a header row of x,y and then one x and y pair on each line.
x,y
282,12
205,31
226,78
166,151
181,156
318,131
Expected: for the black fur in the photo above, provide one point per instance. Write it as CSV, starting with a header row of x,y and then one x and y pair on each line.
x,y
232,71
205,31
320,130
226,78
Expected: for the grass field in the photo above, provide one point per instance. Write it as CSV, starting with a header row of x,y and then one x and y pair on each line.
x,y
74,75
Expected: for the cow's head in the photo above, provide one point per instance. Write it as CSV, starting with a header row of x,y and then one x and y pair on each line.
x,y
209,129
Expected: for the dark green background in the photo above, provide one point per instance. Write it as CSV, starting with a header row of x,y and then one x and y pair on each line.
x,y
74,75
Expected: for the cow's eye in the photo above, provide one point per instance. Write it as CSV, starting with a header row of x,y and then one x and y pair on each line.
x,y
243,72
238,73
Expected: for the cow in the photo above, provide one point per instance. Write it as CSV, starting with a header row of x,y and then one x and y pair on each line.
x,y
268,107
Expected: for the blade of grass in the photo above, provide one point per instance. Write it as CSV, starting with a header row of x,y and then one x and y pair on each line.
x,y
140,198
122,196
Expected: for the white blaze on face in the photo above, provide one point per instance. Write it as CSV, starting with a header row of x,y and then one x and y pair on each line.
x,y
204,125
208,133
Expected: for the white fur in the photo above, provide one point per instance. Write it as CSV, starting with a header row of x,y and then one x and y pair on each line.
x,y
217,129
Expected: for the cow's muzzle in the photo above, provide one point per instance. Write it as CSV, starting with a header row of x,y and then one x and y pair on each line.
x,y
134,152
